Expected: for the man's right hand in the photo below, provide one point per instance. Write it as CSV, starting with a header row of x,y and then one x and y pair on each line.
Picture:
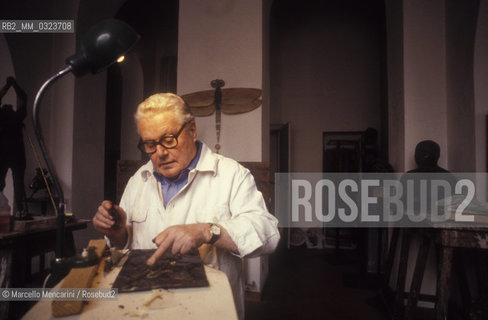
x,y
110,220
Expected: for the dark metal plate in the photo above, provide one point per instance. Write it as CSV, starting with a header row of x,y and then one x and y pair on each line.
x,y
169,272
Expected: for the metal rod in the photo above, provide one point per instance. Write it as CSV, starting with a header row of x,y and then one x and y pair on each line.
x,y
218,84
59,250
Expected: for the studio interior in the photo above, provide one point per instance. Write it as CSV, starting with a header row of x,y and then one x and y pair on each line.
x,y
280,86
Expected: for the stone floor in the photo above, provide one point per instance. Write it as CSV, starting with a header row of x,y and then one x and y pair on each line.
x,y
316,284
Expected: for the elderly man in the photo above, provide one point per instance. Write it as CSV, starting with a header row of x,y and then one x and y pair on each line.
x,y
188,197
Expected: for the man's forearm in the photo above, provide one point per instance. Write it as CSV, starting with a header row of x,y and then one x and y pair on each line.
x,y
225,241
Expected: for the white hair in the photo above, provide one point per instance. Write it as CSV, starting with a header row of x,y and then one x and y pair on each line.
x,y
160,103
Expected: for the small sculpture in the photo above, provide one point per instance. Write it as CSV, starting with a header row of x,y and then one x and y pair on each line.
x,y
12,152
38,183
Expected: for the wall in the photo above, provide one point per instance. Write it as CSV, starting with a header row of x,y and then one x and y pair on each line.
x,y
60,131
132,78
480,74
325,73
32,69
424,66
223,40
267,4
461,21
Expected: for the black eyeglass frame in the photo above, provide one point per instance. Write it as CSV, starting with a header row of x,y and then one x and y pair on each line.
x,y
141,143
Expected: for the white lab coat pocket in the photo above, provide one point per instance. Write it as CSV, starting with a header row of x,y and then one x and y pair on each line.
x,y
140,215
144,228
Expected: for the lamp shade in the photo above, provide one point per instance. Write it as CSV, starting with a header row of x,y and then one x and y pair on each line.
x,y
102,46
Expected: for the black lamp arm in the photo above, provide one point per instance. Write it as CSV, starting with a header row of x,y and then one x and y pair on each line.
x,y
59,250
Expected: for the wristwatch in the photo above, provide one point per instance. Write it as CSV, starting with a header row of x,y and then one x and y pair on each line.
x,y
215,232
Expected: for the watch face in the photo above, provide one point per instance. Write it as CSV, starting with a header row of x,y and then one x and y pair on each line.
x,y
215,229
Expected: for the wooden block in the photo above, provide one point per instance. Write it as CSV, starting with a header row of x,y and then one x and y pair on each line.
x,y
78,278
253,296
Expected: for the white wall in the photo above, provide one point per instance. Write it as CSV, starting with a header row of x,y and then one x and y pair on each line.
x,y
396,103
59,134
222,39
131,97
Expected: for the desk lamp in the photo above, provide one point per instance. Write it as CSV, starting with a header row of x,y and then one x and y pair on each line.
x,y
104,44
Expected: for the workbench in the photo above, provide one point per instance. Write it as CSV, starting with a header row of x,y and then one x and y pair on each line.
x,y
213,302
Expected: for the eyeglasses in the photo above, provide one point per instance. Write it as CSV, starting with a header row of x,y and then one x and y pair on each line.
x,y
168,142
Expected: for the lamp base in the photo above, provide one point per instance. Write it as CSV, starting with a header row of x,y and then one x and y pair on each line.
x,y
61,267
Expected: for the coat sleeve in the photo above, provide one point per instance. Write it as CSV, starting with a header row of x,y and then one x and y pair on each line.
x,y
252,228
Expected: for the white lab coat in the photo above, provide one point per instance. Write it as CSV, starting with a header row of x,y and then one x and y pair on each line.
x,y
219,190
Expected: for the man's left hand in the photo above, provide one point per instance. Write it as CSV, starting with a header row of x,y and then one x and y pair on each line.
x,y
181,239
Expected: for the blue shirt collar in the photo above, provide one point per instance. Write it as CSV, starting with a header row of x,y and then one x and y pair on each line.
x,y
183,176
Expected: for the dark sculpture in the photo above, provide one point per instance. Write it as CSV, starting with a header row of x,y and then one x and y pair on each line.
x,y
12,152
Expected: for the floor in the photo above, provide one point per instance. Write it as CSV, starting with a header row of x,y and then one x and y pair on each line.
x,y
316,284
